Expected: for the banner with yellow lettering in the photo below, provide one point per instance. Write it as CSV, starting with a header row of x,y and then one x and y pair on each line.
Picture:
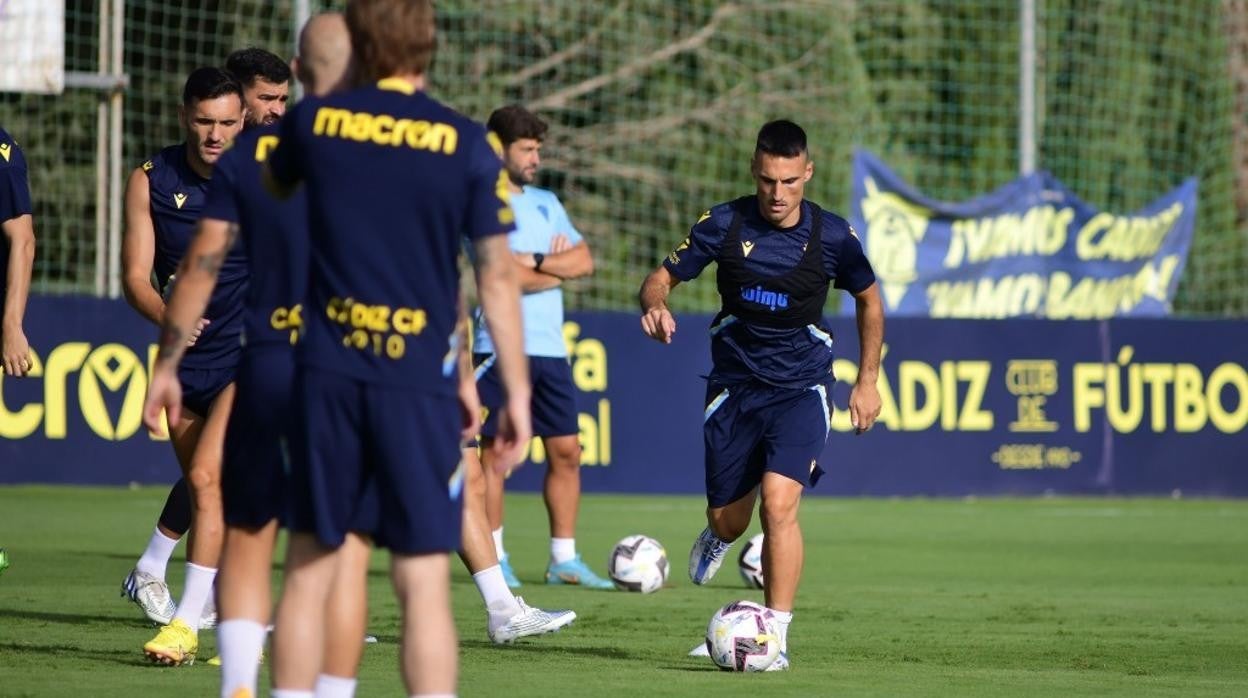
x,y
1018,406
1029,249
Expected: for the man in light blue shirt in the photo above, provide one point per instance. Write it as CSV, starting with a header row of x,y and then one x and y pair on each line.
x,y
548,250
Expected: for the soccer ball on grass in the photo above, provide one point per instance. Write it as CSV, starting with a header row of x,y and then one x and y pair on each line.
x,y
638,563
743,636
750,563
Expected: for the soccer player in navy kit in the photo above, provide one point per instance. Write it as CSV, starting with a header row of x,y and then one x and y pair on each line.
x,y
768,398
394,181
549,250
265,81
163,202
274,235
17,256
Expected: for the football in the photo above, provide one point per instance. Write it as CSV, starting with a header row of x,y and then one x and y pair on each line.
x,y
750,564
638,563
742,636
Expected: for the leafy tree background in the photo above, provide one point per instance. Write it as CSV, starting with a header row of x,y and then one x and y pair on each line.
x,y
654,105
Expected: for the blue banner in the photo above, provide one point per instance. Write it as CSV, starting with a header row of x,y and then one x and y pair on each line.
x,y
1028,249
1121,406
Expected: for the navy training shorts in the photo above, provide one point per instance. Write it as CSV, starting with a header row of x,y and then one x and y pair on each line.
x,y
553,404
754,428
253,472
375,459
201,386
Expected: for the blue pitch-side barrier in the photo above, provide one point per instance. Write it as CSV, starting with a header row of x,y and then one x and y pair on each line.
x,y
970,407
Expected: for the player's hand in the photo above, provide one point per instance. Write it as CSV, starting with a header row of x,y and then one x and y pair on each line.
x,y
560,243
16,354
199,328
514,432
658,324
469,411
164,393
864,406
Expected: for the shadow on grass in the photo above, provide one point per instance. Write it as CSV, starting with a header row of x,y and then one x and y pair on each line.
x,y
66,618
41,653
179,558
548,650
700,668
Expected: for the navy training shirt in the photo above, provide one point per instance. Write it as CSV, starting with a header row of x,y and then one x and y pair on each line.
x,y
394,181
274,236
743,351
177,196
14,199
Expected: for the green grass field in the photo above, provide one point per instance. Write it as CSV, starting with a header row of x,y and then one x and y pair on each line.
x,y
900,598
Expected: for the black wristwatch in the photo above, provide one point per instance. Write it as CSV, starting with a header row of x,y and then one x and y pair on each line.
x,y
538,258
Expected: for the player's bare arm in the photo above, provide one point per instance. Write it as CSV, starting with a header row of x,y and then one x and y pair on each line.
x,y
138,250
469,399
500,301
864,399
656,319
567,262
197,275
530,279
138,253
20,233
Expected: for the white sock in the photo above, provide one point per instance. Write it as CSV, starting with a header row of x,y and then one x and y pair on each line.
x,y
291,693
239,642
562,550
156,556
500,603
195,595
328,686
498,543
782,624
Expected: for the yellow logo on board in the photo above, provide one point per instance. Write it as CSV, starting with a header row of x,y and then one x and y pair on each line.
x,y
895,228
179,199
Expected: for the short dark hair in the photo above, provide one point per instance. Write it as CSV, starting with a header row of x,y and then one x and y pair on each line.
x,y
513,122
210,83
781,138
247,64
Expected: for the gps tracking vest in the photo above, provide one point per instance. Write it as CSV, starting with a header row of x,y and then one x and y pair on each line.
x,y
790,300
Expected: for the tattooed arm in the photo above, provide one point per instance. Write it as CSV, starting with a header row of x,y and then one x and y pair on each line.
x,y
197,275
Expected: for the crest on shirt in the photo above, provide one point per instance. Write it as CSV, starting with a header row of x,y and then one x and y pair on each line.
x,y
179,198
544,211
147,166
674,257
747,246
5,150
